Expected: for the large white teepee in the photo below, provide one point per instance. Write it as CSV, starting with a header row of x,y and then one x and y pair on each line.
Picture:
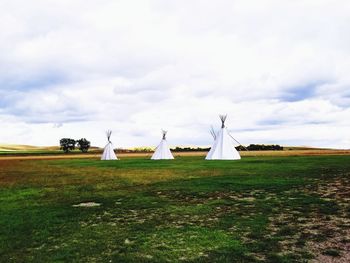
x,y
223,148
162,151
108,152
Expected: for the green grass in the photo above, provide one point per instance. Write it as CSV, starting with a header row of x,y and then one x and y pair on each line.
x,y
259,209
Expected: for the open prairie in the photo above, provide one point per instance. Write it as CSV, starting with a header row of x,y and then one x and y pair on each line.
x,y
53,153
294,207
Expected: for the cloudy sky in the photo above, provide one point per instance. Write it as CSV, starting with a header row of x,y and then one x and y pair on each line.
x,y
75,68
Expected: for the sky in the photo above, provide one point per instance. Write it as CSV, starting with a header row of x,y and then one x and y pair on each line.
x,y
75,68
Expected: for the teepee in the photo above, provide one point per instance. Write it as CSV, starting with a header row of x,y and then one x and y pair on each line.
x,y
162,151
223,148
108,152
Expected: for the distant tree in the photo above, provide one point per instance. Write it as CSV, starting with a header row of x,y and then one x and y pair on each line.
x,y
240,148
83,145
190,149
67,144
262,147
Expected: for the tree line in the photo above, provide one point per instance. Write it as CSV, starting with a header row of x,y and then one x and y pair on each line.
x,y
260,147
251,147
68,144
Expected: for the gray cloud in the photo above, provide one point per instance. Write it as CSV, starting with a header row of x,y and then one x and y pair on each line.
x,y
176,65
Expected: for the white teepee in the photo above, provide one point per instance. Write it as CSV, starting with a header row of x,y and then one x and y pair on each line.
x,y
162,151
108,152
223,148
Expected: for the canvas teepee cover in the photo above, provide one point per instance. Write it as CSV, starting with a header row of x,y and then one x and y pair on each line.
x,y
223,148
162,151
108,152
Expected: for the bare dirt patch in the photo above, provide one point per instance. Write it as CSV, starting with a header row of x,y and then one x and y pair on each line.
x,y
87,204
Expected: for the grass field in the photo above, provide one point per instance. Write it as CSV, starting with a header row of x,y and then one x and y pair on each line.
x,y
262,208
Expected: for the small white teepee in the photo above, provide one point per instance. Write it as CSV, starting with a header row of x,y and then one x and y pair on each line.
x,y
108,152
162,151
223,148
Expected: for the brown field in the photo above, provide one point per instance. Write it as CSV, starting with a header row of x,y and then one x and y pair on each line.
x,y
180,154
277,153
18,147
296,152
22,148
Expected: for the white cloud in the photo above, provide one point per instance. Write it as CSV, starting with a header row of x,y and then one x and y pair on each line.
x,y
278,68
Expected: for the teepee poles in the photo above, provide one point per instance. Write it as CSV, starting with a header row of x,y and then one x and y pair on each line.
x,y
223,119
238,142
108,134
164,134
212,132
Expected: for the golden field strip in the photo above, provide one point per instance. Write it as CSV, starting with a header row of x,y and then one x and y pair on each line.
x,y
179,154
